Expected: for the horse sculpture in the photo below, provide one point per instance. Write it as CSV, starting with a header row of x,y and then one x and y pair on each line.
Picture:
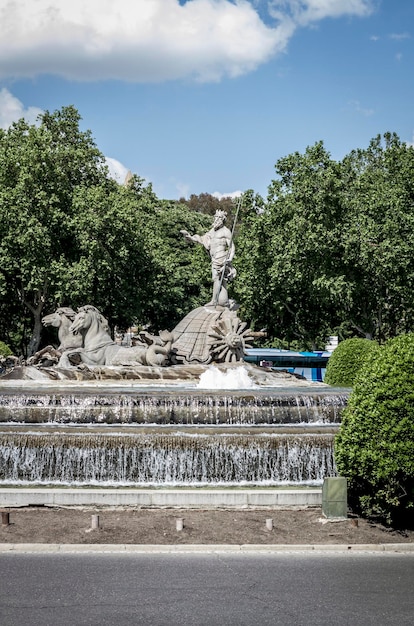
x,y
61,319
100,349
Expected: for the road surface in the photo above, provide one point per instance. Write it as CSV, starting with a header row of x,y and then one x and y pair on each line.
x,y
290,589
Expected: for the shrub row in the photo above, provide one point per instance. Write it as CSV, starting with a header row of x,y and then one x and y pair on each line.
x,y
374,449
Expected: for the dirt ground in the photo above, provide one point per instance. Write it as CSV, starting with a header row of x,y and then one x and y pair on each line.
x,y
159,526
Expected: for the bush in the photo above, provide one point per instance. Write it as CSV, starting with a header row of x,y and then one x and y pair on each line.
x,y
4,349
346,361
374,449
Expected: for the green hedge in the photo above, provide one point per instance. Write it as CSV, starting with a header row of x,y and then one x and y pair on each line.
x,y
374,449
346,361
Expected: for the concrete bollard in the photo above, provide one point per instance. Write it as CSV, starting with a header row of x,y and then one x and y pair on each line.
x,y
95,522
179,523
5,518
269,524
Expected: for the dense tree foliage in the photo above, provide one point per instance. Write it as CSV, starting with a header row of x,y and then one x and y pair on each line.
x,y
40,168
111,267
182,278
378,237
374,449
209,204
329,251
70,235
292,249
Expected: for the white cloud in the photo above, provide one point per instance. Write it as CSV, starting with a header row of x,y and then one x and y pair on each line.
x,y
231,194
399,36
12,110
137,40
117,170
151,40
183,189
305,12
356,106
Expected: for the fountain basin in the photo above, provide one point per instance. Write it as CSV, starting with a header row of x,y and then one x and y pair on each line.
x,y
127,433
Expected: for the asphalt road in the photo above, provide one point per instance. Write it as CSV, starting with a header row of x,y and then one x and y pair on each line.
x,y
291,589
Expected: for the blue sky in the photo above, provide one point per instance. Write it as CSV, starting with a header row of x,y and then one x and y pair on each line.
x,y
206,95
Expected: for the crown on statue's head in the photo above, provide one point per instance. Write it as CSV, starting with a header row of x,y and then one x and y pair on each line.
x,y
221,214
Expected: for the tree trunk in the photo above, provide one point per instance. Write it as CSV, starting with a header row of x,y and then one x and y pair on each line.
x,y
36,310
34,342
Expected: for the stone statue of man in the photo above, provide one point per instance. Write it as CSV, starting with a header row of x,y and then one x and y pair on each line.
x,y
218,242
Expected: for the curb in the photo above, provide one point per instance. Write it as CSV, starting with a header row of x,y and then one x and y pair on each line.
x,y
57,548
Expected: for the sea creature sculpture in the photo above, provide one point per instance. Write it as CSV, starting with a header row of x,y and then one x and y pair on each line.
x,y
61,319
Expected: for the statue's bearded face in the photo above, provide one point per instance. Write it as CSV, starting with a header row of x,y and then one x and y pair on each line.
x,y
218,221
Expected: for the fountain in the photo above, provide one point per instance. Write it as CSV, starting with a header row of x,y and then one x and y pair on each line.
x,y
178,409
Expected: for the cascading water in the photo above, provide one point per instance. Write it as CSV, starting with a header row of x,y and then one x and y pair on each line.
x,y
161,406
165,459
135,435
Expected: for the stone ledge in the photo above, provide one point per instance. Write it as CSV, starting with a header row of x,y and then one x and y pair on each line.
x,y
163,498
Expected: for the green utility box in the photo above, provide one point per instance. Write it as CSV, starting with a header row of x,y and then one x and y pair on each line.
x,y
334,498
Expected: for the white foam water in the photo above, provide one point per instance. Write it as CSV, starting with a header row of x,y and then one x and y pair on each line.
x,y
165,459
234,378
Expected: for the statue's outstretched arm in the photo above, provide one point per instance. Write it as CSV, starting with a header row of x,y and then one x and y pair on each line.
x,y
193,238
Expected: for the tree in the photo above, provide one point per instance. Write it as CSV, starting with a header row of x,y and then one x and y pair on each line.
x,y
208,204
378,237
330,250
132,261
40,169
182,277
251,261
292,249
111,267
70,235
